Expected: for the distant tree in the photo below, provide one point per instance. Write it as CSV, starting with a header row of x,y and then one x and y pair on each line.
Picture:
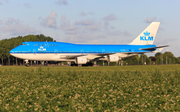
x,y
158,54
144,59
169,54
178,58
134,60
2,54
152,59
169,57
41,37
159,58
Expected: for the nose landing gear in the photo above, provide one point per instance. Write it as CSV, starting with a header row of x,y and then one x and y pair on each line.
x,y
26,63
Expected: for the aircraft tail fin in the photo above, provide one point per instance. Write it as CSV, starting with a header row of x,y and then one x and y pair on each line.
x,y
147,37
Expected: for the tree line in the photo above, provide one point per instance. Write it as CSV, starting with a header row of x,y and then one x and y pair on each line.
x,y
142,59
7,44
159,58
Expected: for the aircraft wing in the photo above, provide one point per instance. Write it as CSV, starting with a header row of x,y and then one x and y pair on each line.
x,y
104,55
90,56
69,56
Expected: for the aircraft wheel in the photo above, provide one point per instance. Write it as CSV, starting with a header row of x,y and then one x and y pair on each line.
x,y
90,64
27,64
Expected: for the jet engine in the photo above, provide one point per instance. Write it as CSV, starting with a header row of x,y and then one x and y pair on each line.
x,y
81,60
113,58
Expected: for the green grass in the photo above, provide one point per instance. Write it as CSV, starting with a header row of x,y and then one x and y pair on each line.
x,y
100,68
133,88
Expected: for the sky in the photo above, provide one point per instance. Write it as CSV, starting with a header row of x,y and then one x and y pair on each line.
x,y
92,21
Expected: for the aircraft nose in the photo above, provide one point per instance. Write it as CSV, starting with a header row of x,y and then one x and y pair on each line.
x,y
16,49
11,51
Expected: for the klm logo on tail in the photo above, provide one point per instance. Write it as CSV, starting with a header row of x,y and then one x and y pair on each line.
x,y
146,37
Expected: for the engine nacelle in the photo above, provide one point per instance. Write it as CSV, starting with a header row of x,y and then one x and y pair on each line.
x,y
113,58
81,60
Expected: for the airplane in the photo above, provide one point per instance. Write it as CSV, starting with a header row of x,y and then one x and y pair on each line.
x,y
86,53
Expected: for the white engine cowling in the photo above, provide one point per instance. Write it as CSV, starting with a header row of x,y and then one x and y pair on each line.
x,y
113,58
81,60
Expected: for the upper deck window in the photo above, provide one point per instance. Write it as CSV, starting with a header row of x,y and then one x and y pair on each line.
x,y
45,45
53,45
39,44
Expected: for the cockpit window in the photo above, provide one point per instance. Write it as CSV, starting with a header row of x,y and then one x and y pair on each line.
x,y
23,44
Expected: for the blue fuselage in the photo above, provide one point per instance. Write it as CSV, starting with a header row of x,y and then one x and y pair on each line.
x,y
61,47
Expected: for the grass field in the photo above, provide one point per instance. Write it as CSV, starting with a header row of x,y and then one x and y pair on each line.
x,y
100,68
113,88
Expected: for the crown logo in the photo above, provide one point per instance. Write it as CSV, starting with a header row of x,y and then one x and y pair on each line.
x,y
41,49
146,33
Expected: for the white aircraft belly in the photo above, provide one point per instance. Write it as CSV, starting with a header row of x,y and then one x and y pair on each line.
x,y
32,56
43,56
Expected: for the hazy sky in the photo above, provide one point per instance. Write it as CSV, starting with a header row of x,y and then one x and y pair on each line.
x,y
92,21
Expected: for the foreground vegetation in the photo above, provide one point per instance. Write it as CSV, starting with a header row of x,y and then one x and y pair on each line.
x,y
133,88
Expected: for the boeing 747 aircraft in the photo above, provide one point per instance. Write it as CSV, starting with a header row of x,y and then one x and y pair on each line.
x,y
85,53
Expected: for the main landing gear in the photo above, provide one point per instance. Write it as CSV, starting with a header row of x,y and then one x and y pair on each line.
x,y
87,64
26,63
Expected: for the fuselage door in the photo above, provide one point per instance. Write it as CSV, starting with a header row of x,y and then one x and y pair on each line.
x,y
81,51
34,51
46,45
55,51
103,51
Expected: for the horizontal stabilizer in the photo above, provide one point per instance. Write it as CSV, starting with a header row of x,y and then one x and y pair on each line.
x,y
151,48
158,50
